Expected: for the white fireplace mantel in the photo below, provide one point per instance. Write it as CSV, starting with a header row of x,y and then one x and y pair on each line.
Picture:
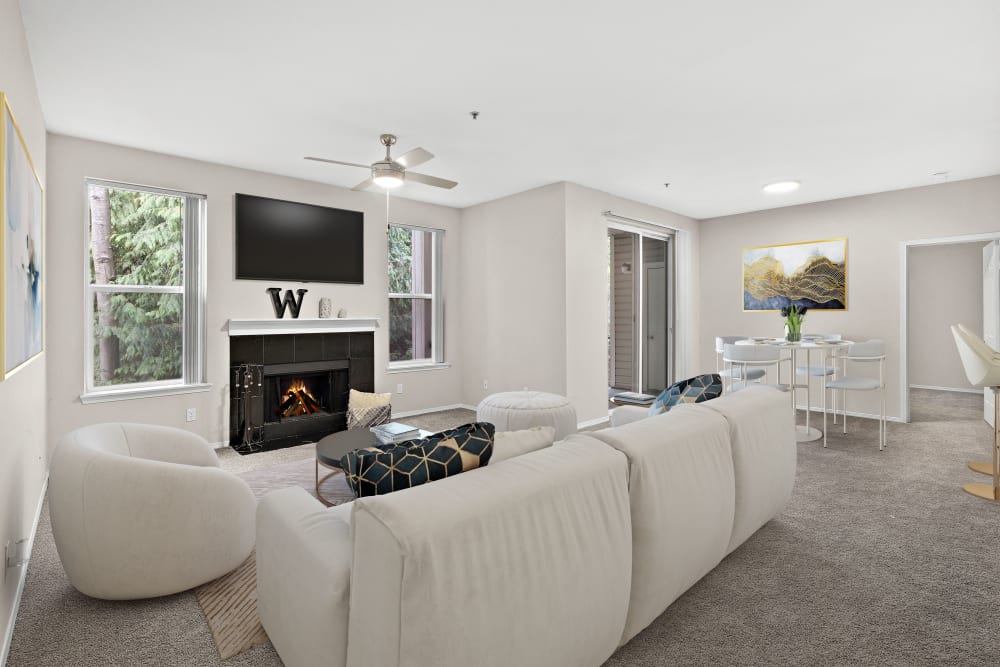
x,y
302,325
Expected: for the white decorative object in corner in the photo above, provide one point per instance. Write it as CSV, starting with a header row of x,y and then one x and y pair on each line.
x,y
303,325
325,308
342,313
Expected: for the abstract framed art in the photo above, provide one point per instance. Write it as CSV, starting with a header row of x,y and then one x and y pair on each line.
x,y
21,249
811,274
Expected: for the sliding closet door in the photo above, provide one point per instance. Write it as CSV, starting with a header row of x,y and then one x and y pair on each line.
x,y
656,304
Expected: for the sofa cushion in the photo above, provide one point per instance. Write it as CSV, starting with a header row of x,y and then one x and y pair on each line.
x,y
368,416
383,469
762,436
693,390
508,444
524,563
682,495
364,399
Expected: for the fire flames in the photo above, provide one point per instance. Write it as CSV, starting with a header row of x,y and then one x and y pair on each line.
x,y
298,401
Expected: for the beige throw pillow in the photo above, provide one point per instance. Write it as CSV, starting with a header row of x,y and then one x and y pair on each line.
x,y
508,444
362,399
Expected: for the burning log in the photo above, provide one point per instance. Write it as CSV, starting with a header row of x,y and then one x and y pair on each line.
x,y
309,402
285,406
298,401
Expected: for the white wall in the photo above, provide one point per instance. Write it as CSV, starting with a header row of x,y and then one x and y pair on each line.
x,y
587,291
23,451
513,294
74,159
535,292
946,287
875,225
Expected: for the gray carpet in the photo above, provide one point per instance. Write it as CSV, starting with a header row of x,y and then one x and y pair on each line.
x,y
880,558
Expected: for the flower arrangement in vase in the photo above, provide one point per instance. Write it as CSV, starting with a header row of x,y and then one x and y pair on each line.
x,y
793,322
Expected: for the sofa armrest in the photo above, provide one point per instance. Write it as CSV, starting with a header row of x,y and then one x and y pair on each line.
x,y
303,577
626,414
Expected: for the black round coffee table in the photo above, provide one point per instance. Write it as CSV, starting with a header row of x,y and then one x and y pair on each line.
x,y
331,449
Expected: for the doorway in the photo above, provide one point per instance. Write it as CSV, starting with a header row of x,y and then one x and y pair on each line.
x,y
946,281
640,311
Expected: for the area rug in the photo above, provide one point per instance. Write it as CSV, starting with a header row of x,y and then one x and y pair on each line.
x,y
230,607
230,602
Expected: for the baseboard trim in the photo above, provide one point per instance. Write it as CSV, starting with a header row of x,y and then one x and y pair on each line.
x,y
593,422
22,576
851,413
424,411
961,390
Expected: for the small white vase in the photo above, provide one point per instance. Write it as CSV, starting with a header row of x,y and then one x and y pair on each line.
x,y
324,307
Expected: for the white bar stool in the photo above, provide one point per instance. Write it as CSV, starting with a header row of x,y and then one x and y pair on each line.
x,y
982,367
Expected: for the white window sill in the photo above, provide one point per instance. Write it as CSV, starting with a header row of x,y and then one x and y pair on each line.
x,y
412,368
126,394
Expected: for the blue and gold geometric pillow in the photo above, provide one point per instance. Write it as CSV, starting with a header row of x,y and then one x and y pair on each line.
x,y
693,390
386,468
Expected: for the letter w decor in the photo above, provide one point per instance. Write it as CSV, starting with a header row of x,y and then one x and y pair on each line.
x,y
288,302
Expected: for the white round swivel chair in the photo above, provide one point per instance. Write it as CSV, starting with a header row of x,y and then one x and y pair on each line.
x,y
140,511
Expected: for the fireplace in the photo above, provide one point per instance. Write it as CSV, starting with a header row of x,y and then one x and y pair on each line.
x,y
291,389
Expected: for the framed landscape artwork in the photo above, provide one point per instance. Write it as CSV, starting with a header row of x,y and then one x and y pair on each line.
x,y
811,274
21,204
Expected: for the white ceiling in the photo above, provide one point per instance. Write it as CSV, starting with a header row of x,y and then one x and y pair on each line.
x,y
715,97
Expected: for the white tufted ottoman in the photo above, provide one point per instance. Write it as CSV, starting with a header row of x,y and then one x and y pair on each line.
x,y
516,410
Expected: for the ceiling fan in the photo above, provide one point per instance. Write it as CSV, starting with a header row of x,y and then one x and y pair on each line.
x,y
390,172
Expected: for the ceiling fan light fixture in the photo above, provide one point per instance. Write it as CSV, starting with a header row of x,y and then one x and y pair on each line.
x,y
780,187
387,174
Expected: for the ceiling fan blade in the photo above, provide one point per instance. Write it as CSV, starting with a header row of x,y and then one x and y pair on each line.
x,y
363,184
412,158
347,164
430,180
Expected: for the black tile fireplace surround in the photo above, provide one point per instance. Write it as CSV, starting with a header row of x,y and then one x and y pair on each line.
x,y
326,365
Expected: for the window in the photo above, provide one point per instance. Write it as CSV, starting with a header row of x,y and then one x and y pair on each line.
x,y
415,312
145,311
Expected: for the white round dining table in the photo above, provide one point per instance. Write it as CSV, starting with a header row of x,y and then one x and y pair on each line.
x,y
804,433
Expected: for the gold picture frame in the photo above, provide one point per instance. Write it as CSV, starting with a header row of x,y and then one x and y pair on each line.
x,y
807,273
22,249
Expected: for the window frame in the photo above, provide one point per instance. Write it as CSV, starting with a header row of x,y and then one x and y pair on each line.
x,y
192,291
436,297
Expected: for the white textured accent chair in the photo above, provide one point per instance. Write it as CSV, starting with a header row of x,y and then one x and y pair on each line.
x,y
140,511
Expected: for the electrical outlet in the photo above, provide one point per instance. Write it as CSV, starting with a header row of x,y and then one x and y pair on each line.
x,y
191,414
15,554
486,385
399,388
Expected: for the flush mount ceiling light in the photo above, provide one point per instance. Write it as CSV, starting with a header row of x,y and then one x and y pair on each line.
x,y
779,187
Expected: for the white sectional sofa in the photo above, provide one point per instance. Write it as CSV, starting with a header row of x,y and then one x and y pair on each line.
x,y
551,558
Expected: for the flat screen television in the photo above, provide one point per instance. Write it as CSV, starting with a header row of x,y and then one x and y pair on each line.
x,y
283,240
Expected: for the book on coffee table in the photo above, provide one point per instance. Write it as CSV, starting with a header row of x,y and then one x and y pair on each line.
x,y
393,433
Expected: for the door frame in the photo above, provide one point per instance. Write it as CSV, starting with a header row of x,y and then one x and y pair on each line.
x,y
675,292
904,315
